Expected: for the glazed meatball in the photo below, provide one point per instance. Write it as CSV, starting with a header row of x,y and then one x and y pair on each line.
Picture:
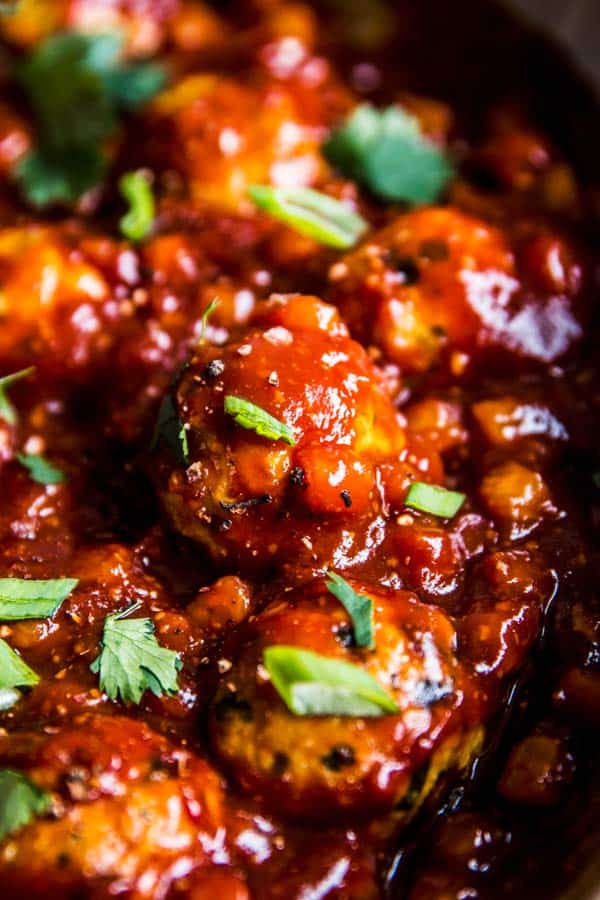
x,y
439,286
221,134
311,490
125,806
61,649
142,22
320,766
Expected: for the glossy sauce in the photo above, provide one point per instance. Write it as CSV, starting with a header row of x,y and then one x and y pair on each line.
x,y
449,347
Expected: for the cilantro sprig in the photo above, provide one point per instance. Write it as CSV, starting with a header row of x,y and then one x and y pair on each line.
x,y
386,151
255,418
78,87
21,801
358,606
40,469
131,660
315,685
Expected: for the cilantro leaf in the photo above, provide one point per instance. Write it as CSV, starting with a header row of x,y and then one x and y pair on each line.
x,y
254,418
7,410
358,606
386,151
20,802
170,429
30,598
132,661
77,87
14,672
314,685
433,499
137,223
40,470
312,214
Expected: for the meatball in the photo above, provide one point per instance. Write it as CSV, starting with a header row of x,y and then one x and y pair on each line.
x,y
311,490
143,22
126,805
322,766
222,134
62,648
437,282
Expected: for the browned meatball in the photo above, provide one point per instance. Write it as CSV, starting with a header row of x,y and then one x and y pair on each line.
x,y
321,766
437,284
311,492
125,807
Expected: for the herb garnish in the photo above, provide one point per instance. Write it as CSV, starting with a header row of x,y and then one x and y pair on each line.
x,y
315,685
132,661
358,606
7,410
205,317
312,214
386,151
136,189
430,498
14,672
170,429
30,598
40,469
254,418
20,801
78,87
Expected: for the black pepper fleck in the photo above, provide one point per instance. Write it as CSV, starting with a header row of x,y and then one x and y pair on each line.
x,y
298,477
339,757
214,368
345,495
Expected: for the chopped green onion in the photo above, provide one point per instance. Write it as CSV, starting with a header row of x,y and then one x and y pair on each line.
x,y
7,410
312,214
137,223
14,672
252,417
20,802
430,498
40,470
315,685
205,317
358,607
386,151
30,598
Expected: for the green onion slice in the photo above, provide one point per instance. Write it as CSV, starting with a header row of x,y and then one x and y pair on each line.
x,y
14,672
315,685
137,223
430,498
358,606
312,214
254,418
30,598
7,410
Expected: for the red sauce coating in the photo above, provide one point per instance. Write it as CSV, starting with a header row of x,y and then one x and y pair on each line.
x,y
449,346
